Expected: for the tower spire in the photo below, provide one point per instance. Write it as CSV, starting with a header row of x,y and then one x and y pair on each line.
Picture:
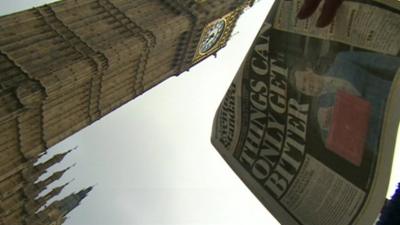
x,y
67,204
35,204
54,160
56,191
83,193
41,185
57,175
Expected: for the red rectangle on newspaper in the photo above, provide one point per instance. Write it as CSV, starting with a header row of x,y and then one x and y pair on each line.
x,y
349,127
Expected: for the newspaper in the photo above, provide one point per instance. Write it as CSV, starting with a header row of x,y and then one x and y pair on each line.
x,y
310,119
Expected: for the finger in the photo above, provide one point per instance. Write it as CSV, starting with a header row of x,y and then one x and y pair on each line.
x,y
308,8
329,10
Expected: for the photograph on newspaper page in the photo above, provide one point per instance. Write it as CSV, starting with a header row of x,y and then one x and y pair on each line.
x,y
301,123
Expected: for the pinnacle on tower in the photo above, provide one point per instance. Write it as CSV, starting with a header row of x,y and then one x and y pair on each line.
x,y
34,205
56,191
52,161
67,204
41,185
57,175
83,193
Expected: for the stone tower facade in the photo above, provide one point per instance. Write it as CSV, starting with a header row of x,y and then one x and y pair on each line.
x,y
21,202
65,65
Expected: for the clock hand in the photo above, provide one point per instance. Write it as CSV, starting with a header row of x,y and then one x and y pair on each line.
x,y
209,38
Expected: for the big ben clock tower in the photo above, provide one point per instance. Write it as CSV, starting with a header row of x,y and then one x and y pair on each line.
x,y
67,64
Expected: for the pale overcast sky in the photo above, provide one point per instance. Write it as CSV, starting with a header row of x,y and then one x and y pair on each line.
x,y
152,159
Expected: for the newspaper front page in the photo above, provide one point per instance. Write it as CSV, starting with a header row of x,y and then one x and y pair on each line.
x,y
308,120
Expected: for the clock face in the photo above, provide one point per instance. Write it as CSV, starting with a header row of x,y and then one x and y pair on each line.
x,y
212,36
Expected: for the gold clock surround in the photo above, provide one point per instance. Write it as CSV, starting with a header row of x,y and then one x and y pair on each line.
x,y
229,20
205,35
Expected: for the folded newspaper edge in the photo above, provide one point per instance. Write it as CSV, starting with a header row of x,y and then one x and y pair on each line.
x,y
273,124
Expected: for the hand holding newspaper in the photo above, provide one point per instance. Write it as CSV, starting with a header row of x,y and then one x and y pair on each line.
x,y
328,12
310,120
